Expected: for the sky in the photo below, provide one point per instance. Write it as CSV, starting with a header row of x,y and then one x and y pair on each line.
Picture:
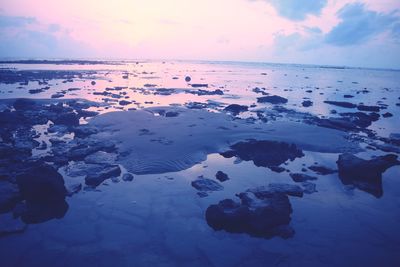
x,y
359,33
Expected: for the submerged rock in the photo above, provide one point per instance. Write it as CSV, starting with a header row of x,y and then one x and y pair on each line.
x,y
322,170
95,179
261,212
274,99
309,188
204,184
264,153
301,177
342,104
366,175
127,177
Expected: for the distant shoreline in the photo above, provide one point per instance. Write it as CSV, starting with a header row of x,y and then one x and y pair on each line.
x,y
137,61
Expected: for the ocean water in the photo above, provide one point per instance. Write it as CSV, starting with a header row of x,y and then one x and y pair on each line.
x,y
159,219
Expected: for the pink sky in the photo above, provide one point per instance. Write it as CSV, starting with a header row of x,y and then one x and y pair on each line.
x,y
249,30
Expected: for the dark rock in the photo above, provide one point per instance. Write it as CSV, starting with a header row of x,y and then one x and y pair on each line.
x,y
170,114
201,92
221,176
95,179
366,175
274,99
43,189
301,177
307,103
196,85
261,212
68,119
341,104
387,115
36,91
41,183
57,95
235,109
322,170
277,169
127,177
124,102
264,153
368,108
204,184
395,138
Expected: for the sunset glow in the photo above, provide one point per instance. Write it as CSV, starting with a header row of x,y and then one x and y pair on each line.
x,y
249,30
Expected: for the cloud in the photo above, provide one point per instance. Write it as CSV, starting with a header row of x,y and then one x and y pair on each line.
x,y
358,25
10,21
27,37
298,9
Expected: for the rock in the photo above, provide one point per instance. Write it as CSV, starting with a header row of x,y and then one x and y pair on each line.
x,y
277,169
341,104
288,189
85,130
74,188
68,119
124,102
368,108
261,212
235,109
95,179
264,153
41,183
201,92
274,99
387,115
9,195
221,176
170,114
395,138
366,175
43,189
204,184
101,157
322,170
196,85
80,168
10,225
307,103
309,188
301,177
127,177
57,95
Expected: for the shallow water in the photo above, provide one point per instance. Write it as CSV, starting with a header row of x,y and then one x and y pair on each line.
x,y
159,219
